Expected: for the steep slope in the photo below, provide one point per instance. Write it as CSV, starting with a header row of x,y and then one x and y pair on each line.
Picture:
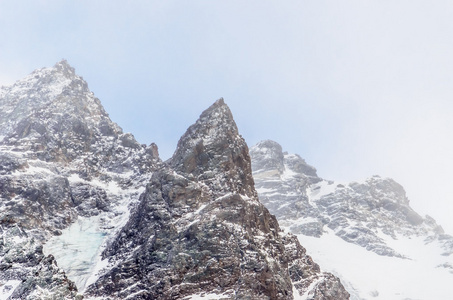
x,y
86,211
200,229
61,159
371,221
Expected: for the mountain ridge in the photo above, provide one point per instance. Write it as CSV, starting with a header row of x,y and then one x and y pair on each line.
x,y
213,210
62,159
372,218
86,198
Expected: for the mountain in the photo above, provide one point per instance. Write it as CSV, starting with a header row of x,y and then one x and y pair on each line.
x,y
200,229
62,162
366,233
87,212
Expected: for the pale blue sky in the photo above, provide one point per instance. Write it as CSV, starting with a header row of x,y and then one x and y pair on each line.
x,y
355,87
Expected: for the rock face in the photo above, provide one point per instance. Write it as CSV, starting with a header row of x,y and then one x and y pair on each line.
x,y
200,228
374,214
213,151
25,272
288,175
79,195
61,157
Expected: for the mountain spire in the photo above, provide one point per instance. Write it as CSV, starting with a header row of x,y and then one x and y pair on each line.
x,y
216,132
63,67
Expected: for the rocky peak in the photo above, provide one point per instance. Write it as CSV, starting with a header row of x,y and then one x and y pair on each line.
x,y
64,68
269,159
53,113
267,155
383,190
307,205
57,89
213,145
62,160
200,229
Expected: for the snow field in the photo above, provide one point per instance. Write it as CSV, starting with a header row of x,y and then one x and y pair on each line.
x,y
369,276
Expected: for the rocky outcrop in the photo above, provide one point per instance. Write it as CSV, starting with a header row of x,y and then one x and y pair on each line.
x,y
200,228
374,214
78,194
282,180
26,273
308,204
60,158
213,152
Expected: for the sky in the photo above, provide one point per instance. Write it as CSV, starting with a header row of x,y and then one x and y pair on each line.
x,y
357,88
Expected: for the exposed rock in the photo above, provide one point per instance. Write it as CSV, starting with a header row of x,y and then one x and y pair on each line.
x,y
199,227
288,175
25,269
60,158
306,203
374,214
213,152
70,176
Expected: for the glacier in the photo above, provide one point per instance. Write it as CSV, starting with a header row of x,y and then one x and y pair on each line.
x,y
78,249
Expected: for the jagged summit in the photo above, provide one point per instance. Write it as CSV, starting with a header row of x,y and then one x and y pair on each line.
x,y
63,162
303,195
121,223
213,144
218,114
199,228
214,124
371,218
268,157
53,109
64,68
53,91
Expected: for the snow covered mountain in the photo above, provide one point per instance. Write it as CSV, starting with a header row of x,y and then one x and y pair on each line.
x,y
62,160
366,233
87,212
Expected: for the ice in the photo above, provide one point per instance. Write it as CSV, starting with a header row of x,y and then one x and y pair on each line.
x,y
77,250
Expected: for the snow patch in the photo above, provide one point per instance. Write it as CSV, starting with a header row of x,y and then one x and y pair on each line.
x,y
288,173
296,294
209,296
366,275
7,288
318,190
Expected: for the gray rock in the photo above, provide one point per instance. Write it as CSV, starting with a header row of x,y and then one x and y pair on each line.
x,y
199,228
356,212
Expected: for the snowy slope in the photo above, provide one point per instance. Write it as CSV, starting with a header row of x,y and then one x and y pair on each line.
x,y
68,177
370,276
366,233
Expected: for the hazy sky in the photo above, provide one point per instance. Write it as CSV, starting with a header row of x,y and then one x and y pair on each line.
x,y
357,88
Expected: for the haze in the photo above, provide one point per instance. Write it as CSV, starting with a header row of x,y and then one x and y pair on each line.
x,y
357,88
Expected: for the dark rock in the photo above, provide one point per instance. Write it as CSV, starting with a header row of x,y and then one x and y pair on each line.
x,y
199,228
